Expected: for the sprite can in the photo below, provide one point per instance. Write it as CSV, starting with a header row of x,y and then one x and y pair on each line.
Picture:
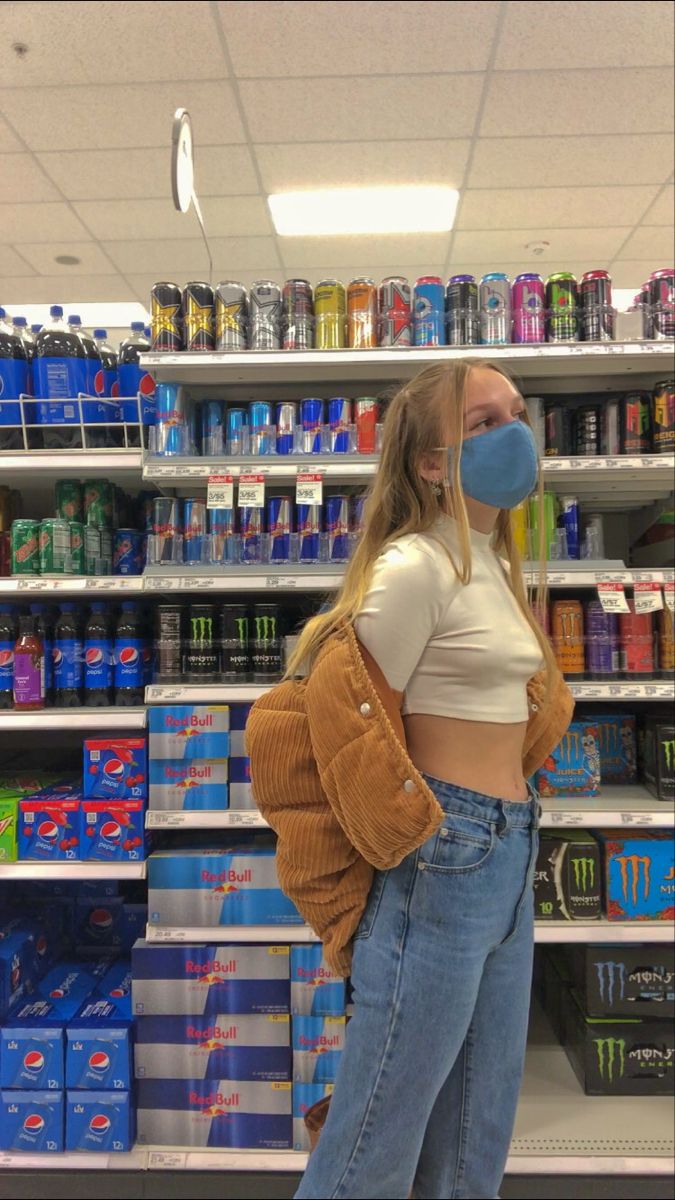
x,y
8,818
68,496
98,503
54,546
25,547
76,547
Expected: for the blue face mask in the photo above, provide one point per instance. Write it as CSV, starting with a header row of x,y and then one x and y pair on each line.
x,y
500,467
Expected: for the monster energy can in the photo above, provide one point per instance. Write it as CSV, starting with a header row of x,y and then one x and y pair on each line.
x,y
234,643
266,643
201,651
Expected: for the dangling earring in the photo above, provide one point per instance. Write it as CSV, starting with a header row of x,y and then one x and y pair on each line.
x,y
436,488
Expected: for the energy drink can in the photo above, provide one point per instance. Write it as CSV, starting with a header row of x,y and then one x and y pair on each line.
x,y
309,532
362,314
235,658
251,529
495,309
429,311
610,427
366,412
221,531
519,529
340,420
356,512
636,631
202,660
587,431
597,313
562,308
567,620
263,434
279,528
167,529
337,527
170,418
231,315
663,417
265,316
166,320
235,420
558,428
665,643
297,315
528,304
127,558
311,415
661,293
198,316
168,642
212,427
54,546
98,503
569,511
602,642
395,327
194,532
266,642
287,419
68,498
636,423
548,518
76,547
330,306
461,311
25,547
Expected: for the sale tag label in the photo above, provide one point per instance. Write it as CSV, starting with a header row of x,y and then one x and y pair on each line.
x,y
220,492
613,598
251,491
669,595
648,597
309,489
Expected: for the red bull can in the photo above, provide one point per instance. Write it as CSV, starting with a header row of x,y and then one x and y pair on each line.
x,y
127,552
221,530
170,419
212,427
262,427
251,529
429,311
356,507
309,532
339,419
395,312
337,527
529,304
287,419
279,528
194,532
167,528
311,415
235,420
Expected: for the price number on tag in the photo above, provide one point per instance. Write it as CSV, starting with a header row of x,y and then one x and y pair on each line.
x,y
309,489
220,493
648,597
31,585
251,491
613,597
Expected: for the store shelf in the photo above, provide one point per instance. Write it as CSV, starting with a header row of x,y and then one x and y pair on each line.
x,y
579,574
231,933
195,819
70,585
289,577
135,1160
198,693
544,931
73,870
75,718
279,469
629,806
17,467
625,482
655,689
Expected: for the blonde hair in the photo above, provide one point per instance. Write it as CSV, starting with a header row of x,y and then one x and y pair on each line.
x,y
425,414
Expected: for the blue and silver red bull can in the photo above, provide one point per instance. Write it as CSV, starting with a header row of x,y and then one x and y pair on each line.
x,y
170,419
279,528
287,419
167,529
212,427
429,311
311,415
340,420
127,552
337,527
263,434
309,532
236,420
251,529
221,530
194,532
356,505
569,510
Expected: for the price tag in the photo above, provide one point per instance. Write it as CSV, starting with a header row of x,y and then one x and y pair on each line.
x,y
648,597
160,692
166,1160
629,818
281,582
251,491
108,584
309,489
613,598
220,492
669,595
156,820
32,585
247,818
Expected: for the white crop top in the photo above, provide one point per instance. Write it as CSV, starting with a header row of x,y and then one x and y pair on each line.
x,y
453,649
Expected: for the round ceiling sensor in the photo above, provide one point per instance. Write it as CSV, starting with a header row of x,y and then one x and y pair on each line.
x,y
182,160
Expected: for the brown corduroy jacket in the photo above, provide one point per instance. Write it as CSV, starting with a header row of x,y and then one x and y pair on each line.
x,y
332,776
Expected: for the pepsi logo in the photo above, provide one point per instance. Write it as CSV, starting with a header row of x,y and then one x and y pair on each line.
x,y
99,1061
99,383
15,976
57,656
100,920
42,945
34,1061
114,769
111,831
99,1123
147,385
128,656
34,1123
118,993
6,658
93,656
115,389
48,831
57,993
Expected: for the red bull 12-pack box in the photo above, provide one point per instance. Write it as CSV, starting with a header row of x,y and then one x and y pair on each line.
x,y
201,979
316,991
215,1112
318,1043
305,1095
211,887
214,1047
189,731
188,784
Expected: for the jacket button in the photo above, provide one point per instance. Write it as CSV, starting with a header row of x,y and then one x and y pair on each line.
x,y
408,786
365,710
534,707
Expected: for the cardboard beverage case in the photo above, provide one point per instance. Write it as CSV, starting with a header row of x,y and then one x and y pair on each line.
x,y
115,769
639,875
99,1121
107,923
241,791
304,1096
619,1056
32,1121
215,1112
9,807
98,1049
31,1049
657,744
247,1048
179,731
316,991
49,830
567,878
617,741
318,1043
200,980
211,887
620,980
113,831
573,768
20,954
115,987
177,784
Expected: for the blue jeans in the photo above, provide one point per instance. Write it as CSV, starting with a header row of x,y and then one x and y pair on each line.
x,y
426,1092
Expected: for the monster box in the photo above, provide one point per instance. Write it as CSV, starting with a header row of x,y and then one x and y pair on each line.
x,y
115,768
198,979
632,981
621,1057
189,731
211,887
639,875
658,759
573,768
567,883
618,747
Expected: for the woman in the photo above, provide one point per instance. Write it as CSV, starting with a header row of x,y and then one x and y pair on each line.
x,y
428,1083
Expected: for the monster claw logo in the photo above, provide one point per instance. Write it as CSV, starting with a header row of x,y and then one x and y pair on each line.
x,y
611,973
202,629
631,863
669,753
611,1056
584,873
242,628
265,629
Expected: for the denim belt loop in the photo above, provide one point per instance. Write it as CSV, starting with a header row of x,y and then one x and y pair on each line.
x,y
502,822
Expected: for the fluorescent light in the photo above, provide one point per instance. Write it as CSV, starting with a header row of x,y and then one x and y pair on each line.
x,y
332,211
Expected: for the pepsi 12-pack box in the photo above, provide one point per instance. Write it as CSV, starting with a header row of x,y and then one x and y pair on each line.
x,y
115,768
112,831
32,1121
49,830
99,1121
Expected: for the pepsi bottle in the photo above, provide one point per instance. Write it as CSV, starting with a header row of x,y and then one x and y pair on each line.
x,y
106,376
98,658
129,681
13,383
67,659
93,365
59,376
43,627
134,380
7,640
22,331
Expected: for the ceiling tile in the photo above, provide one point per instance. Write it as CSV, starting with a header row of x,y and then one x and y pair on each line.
x,y
662,210
460,267
40,223
586,35
376,272
420,247
144,174
352,164
121,115
553,208
631,272
92,43
299,39
509,245
21,176
57,289
547,161
12,262
188,259
117,220
360,109
235,216
569,102
93,261
8,141
656,242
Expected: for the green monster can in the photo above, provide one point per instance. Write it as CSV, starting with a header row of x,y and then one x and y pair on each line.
x,y
25,547
54,546
68,496
98,503
562,308
92,550
77,548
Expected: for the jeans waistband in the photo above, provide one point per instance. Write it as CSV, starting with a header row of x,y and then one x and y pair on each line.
x,y
513,813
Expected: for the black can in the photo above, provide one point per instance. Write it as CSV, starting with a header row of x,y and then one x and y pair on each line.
x,y
266,643
558,431
636,433
202,657
297,315
166,317
662,302
663,417
610,427
235,661
461,311
587,431
198,317
169,642
597,313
